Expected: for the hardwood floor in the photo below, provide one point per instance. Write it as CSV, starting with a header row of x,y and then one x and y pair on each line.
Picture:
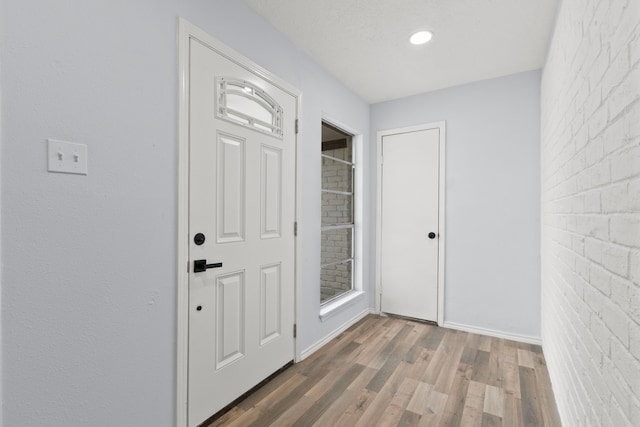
x,y
386,371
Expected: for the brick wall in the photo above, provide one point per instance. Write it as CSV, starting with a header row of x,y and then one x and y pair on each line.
x,y
590,159
336,209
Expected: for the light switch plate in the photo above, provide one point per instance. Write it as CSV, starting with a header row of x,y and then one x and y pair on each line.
x,y
67,157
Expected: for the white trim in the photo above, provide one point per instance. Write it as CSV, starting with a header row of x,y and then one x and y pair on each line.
x,y
182,294
441,126
187,31
331,308
324,341
493,333
297,351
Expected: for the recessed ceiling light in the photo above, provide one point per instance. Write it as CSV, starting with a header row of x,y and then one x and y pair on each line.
x,y
421,37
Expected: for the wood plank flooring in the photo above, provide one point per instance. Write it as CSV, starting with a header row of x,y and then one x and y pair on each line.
x,y
387,371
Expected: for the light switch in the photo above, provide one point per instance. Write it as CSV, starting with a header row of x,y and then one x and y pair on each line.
x,y
67,157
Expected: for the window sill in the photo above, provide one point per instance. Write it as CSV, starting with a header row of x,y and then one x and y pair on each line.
x,y
330,309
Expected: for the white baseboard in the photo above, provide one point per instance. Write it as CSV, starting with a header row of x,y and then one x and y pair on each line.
x,y
322,342
492,333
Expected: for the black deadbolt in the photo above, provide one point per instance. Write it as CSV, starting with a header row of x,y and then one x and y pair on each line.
x,y
432,235
199,308
198,239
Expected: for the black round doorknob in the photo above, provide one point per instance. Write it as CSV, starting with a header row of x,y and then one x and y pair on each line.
x,y
199,308
198,239
432,235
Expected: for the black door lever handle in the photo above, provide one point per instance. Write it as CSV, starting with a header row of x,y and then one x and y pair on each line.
x,y
201,265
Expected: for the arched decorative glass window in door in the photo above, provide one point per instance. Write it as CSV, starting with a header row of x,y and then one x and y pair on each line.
x,y
243,103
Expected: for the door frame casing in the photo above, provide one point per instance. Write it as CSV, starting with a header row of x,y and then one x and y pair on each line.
x,y
186,32
441,126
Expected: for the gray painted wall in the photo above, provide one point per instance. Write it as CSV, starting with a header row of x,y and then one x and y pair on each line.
x,y
88,286
492,268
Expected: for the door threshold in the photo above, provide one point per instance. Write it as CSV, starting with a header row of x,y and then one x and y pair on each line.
x,y
231,405
398,316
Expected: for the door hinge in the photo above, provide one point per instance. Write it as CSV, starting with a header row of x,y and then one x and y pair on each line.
x,y
297,126
295,228
295,330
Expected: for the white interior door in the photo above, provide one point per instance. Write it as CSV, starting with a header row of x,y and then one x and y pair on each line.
x,y
241,219
409,210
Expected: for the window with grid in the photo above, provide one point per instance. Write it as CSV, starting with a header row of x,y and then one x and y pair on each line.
x,y
338,224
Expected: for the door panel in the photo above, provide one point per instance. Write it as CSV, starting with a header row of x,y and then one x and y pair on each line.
x,y
242,198
270,202
231,188
409,258
270,294
230,326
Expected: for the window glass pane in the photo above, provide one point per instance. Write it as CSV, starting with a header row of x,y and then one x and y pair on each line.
x,y
337,200
340,148
249,107
336,176
336,245
335,280
238,118
337,209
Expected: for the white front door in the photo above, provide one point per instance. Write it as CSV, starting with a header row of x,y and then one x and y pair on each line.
x,y
409,210
241,230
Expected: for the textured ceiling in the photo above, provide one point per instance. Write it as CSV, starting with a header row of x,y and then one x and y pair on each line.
x,y
364,43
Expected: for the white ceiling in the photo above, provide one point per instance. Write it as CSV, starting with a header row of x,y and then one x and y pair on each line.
x,y
364,43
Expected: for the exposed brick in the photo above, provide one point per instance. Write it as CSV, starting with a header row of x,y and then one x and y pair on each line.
x,y
626,28
634,195
614,197
625,229
618,415
620,132
578,204
581,138
625,94
590,186
594,300
599,67
616,320
577,244
616,384
598,122
618,69
633,305
594,101
593,202
625,363
599,174
577,164
621,293
634,52
600,279
634,411
595,151
582,267
593,250
626,164
634,266
616,259
594,226
634,342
